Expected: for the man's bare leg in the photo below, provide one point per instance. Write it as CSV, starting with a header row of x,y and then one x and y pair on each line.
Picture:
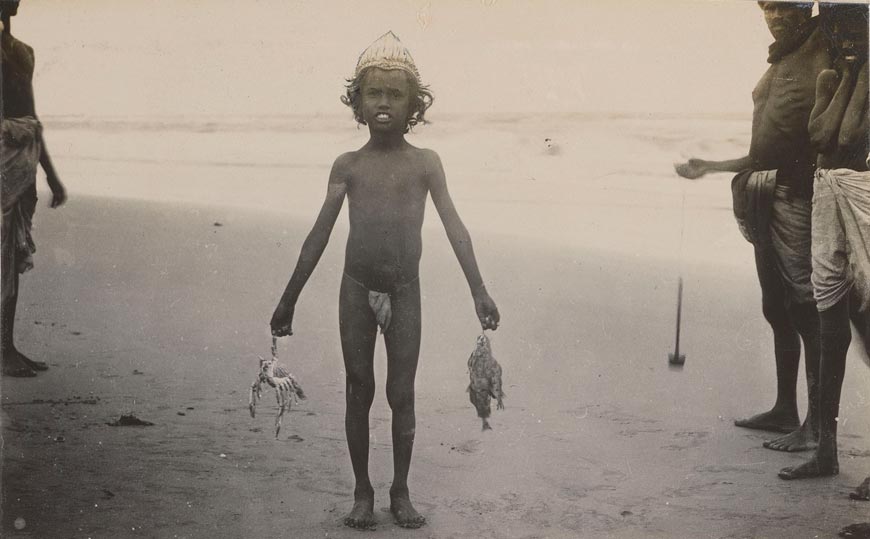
x,y
806,319
403,351
13,363
856,531
862,492
358,334
836,335
783,417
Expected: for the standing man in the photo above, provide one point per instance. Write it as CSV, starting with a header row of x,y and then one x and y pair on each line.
x,y
773,192
840,130
23,150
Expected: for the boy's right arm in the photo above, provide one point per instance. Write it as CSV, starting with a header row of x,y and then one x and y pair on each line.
x,y
313,247
695,168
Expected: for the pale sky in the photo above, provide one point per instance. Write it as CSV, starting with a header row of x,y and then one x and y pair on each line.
x,y
242,57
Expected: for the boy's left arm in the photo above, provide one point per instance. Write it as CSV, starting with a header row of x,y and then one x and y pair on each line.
x,y
460,240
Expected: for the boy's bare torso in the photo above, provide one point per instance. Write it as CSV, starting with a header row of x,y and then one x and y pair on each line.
x,y
386,192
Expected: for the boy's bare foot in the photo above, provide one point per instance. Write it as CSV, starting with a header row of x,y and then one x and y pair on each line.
x,y
856,531
362,515
35,365
799,440
773,420
14,365
810,468
403,511
862,492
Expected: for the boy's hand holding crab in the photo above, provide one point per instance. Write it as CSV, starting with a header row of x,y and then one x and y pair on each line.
x,y
282,320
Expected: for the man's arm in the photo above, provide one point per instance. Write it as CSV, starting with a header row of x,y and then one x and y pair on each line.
x,y
695,168
312,248
855,120
830,107
58,193
57,190
460,240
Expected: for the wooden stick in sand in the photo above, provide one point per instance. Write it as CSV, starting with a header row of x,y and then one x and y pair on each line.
x,y
677,359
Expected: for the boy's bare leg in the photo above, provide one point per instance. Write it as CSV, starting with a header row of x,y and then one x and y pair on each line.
x,y
403,350
358,333
783,417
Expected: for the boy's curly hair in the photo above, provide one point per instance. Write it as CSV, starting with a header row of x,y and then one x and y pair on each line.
x,y
421,99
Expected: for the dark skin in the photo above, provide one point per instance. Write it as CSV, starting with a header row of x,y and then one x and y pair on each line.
x,y
789,325
386,183
14,363
839,129
782,19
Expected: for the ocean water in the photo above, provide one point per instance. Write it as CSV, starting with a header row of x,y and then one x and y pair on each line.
x,y
601,181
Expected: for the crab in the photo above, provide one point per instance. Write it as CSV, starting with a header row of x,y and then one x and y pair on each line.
x,y
287,388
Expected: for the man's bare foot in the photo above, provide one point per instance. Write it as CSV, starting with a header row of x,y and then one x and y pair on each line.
x,y
362,515
862,492
35,365
773,421
810,468
403,511
856,531
13,365
799,440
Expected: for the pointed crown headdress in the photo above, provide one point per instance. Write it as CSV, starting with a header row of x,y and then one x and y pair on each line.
x,y
387,52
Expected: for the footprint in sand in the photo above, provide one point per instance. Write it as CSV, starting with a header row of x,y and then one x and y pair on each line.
x,y
631,433
692,439
609,413
751,467
467,448
62,257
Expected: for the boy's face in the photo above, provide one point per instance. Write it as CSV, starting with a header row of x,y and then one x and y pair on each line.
x,y
783,18
386,99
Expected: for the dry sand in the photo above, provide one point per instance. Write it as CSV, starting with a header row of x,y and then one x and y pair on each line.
x,y
150,308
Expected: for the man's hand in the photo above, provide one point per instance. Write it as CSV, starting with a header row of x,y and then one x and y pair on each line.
x,y
58,193
692,169
486,310
282,320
